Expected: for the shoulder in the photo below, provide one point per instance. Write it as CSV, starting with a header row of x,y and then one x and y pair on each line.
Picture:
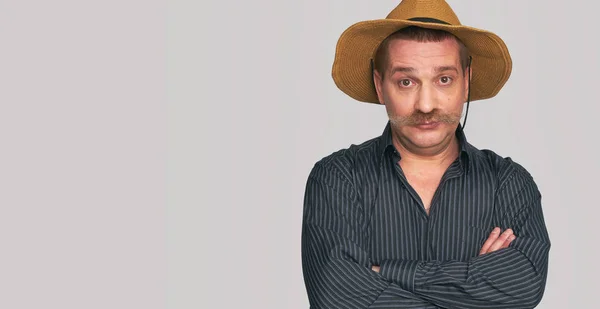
x,y
507,172
345,164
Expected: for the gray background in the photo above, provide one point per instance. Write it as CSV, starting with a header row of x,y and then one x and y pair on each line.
x,y
83,154
156,157
253,107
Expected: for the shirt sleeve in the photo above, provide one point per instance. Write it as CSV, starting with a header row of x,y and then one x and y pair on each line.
x,y
513,277
336,265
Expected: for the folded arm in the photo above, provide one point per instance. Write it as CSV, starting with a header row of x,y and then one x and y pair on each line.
x,y
336,265
512,277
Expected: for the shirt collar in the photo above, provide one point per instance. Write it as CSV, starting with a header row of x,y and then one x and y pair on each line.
x,y
386,144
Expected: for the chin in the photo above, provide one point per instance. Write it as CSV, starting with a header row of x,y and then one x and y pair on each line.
x,y
428,143
427,139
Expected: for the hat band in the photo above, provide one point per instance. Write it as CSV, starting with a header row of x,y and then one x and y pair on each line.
x,y
428,20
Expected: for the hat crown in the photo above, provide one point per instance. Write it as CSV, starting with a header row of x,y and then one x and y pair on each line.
x,y
429,9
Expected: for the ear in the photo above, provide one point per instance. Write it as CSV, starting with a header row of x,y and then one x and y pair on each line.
x,y
468,74
378,81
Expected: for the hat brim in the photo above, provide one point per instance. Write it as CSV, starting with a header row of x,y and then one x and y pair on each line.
x,y
352,72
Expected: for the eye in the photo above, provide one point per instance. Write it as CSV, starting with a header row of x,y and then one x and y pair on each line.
x,y
445,80
405,82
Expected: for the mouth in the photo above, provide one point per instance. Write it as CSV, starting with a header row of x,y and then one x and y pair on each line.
x,y
427,125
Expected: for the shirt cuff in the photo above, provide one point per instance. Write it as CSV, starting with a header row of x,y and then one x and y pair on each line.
x,y
401,272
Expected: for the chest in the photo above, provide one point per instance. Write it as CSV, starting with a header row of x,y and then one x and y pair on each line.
x,y
458,219
425,185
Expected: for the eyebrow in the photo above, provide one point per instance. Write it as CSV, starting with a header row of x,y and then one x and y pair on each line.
x,y
438,69
446,68
402,69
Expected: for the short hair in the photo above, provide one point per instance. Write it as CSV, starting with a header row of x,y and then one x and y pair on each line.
x,y
414,33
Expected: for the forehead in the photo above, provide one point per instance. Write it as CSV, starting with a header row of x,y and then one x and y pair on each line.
x,y
416,54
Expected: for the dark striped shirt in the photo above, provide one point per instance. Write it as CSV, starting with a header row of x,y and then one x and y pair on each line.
x,y
360,211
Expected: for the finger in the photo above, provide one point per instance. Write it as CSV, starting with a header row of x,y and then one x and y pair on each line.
x,y
491,239
500,241
508,241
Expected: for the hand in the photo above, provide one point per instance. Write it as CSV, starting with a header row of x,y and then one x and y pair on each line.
x,y
497,241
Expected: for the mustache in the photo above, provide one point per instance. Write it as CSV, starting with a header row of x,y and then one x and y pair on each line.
x,y
418,117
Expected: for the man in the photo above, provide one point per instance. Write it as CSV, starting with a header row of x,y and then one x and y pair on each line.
x,y
418,217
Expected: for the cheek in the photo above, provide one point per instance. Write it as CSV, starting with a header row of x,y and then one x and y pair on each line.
x,y
395,108
454,106
454,100
398,103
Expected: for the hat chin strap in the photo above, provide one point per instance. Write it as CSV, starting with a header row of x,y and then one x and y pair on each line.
x,y
468,93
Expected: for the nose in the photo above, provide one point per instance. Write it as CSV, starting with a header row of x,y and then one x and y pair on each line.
x,y
426,100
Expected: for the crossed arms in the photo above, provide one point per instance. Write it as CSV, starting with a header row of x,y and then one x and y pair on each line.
x,y
494,242
339,274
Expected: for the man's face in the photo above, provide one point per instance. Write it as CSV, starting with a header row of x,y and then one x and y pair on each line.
x,y
423,89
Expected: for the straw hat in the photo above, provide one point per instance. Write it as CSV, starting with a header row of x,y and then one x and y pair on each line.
x,y
352,72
